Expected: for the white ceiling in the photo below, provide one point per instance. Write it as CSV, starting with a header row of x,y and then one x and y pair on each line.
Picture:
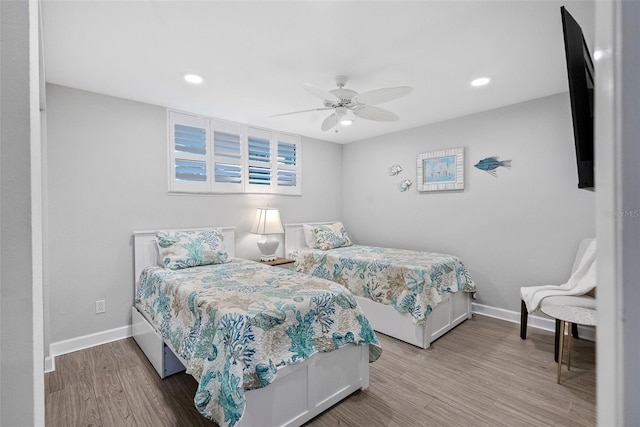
x,y
255,56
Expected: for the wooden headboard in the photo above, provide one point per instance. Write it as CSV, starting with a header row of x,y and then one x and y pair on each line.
x,y
294,236
146,251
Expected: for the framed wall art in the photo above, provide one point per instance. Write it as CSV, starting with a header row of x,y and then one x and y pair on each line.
x,y
440,170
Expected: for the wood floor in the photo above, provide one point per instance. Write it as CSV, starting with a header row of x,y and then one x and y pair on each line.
x,y
479,374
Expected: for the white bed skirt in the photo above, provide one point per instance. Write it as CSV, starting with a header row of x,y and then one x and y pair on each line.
x,y
454,309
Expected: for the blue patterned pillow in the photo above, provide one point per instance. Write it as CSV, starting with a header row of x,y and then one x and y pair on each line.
x,y
184,249
331,236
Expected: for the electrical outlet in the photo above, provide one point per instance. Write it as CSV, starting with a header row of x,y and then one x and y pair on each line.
x,y
101,306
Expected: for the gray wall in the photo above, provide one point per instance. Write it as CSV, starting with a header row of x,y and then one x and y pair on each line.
x,y
107,176
519,229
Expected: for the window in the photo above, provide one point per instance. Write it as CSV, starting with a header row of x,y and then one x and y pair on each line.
x,y
227,157
288,164
214,156
189,167
259,161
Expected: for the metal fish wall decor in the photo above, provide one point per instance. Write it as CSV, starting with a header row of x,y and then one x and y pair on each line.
x,y
490,164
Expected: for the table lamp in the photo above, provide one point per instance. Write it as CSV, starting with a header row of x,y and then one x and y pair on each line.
x,y
267,222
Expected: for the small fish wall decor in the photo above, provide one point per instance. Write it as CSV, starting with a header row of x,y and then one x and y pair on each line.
x,y
395,170
490,164
405,184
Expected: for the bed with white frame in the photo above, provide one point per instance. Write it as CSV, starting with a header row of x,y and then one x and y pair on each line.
x,y
454,308
299,392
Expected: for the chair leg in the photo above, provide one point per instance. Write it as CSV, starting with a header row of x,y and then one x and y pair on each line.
x,y
524,316
574,330
559,334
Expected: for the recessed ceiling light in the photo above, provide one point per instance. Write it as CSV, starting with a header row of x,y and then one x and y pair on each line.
x,y
597,54
193,78
480,81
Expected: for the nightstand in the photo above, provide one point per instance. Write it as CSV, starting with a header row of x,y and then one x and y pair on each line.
x,y
281,263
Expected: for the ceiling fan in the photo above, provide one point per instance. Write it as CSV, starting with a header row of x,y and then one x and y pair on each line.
x,y
342,100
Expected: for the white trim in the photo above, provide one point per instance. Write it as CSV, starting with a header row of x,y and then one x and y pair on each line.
x,y
49,364
86,341
104,337
538,322
36,83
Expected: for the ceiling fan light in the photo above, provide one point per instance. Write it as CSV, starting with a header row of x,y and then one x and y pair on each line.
x,y
346,122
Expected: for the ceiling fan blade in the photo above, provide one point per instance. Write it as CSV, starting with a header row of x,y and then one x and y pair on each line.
x,y
302,111
379,96
375,113
330,122
320,93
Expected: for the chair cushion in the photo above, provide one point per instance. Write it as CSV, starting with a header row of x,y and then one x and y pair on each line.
x,y
575,301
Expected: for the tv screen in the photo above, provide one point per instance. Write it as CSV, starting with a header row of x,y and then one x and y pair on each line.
x,y
580,72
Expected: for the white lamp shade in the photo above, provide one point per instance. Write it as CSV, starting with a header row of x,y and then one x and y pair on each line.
x,y
267,222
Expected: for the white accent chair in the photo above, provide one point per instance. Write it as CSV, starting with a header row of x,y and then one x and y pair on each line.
x,y
588,301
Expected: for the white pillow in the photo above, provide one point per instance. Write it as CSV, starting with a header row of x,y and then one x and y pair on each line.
x,y
309,236
190,248
331,236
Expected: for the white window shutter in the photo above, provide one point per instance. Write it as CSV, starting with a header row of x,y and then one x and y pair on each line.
x,y
287,167
208,155
228,154
260,160
189,157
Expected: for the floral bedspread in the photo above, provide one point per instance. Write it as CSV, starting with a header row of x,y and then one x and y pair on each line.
x,y
410,281
235,323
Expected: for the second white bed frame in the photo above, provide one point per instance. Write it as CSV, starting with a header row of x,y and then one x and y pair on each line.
x,y
454,308
299,392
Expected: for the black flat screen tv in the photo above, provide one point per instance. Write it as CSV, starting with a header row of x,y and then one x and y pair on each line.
x,y
581,78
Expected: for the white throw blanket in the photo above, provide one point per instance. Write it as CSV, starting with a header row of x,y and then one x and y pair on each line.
x,y
581,281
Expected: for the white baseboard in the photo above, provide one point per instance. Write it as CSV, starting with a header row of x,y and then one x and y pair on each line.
x,y
49,364
539,322
92,340
85,341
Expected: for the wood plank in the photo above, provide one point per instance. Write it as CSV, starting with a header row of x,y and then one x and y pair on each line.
x,y
145,407
73,406
112,402
481,373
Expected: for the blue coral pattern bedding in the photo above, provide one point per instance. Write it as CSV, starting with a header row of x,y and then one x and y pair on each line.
x,y
410,281
236,323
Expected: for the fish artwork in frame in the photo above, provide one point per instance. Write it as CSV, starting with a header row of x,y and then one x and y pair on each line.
x,y
490,164
440,170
